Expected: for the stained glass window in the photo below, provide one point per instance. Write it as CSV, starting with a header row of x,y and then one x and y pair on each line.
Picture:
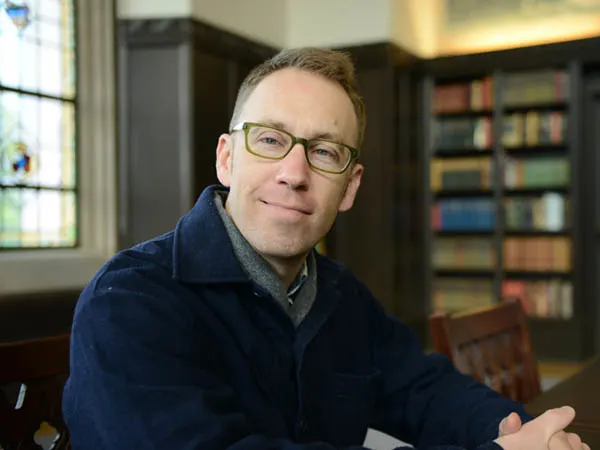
x,y
38,169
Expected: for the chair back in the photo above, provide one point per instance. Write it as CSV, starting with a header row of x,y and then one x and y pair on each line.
x,y
492,344
32,377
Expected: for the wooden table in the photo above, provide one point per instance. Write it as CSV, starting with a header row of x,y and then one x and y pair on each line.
x,y
582,392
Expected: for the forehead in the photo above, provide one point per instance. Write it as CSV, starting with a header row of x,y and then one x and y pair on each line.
x,y
306,103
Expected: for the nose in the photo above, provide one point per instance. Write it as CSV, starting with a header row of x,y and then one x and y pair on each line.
x,y
294,170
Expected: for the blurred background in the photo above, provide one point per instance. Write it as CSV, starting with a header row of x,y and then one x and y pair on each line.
x,y
481,148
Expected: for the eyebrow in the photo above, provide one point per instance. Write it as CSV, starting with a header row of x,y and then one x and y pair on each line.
x,y
322,135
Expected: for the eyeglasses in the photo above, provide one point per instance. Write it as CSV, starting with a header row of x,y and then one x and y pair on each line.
x,y
273,143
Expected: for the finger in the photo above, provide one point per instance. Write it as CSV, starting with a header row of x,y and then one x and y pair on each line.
x,y
510,424
586,447
560,441
554,420
574,440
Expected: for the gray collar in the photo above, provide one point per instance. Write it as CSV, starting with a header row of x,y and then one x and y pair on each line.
x,y
299,298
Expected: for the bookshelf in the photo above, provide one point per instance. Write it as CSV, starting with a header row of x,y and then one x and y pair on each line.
x,y
501,192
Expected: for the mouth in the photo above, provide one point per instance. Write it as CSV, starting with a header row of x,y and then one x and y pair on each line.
x,y
298,209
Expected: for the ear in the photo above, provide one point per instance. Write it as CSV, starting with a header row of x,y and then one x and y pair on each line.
x,y
224,159
352,188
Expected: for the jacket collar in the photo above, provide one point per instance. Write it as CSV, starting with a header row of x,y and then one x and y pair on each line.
x,y
202,250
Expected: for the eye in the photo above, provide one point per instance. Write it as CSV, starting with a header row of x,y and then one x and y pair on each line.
x,y
269,140
325,152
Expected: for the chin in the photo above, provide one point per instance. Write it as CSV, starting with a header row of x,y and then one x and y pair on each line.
x,y
283,248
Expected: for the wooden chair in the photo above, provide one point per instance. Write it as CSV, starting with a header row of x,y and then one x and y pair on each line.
x,y
491,344
32,377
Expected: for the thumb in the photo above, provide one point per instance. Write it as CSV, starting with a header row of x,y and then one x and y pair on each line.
x,y
510,424
555,420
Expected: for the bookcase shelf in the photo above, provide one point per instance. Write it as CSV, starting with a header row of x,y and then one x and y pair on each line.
x,y
537,150
526,191
464,273
462,193
455,233
463,153
536,275
463,114
542,106
535,233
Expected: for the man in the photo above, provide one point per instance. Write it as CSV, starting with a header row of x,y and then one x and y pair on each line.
x,y
230,332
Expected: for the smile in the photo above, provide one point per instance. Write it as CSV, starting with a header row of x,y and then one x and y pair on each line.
x,y
292,209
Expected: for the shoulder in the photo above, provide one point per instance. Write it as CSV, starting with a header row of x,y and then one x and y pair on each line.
x,y
135,284
151,261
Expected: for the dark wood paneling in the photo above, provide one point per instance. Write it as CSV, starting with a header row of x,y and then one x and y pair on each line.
x,y
380,54
202,36
212,104
590,211
364,236
585,51
408,224
387,203
155,165
37,315
178,82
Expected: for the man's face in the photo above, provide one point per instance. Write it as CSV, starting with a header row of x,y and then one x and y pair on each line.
x,y
284,207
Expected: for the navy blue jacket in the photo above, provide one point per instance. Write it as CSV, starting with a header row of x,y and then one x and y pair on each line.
x,y
173,347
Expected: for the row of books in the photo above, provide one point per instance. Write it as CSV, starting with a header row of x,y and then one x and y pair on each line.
x,y
458,295
534,254
463,214
548,298
534,128
463,134
520,89
539,172
537,254
547,213
463,253
538,86
545,299
457,97
461,173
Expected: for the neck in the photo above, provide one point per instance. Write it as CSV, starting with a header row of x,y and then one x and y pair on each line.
x,y
286,269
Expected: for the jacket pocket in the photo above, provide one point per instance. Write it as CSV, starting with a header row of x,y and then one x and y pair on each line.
x,y
353,402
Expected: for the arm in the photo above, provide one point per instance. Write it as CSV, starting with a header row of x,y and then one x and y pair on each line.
x,y
424,400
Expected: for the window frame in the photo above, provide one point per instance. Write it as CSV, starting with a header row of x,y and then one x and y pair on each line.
x,y
32,270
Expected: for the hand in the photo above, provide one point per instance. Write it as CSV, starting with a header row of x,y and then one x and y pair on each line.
x,y
545,432
512,424
561,440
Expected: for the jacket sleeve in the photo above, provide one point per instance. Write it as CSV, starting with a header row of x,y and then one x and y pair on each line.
x,y
137,381
425,400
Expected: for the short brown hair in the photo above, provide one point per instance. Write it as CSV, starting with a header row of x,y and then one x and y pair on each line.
x,y
334,65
